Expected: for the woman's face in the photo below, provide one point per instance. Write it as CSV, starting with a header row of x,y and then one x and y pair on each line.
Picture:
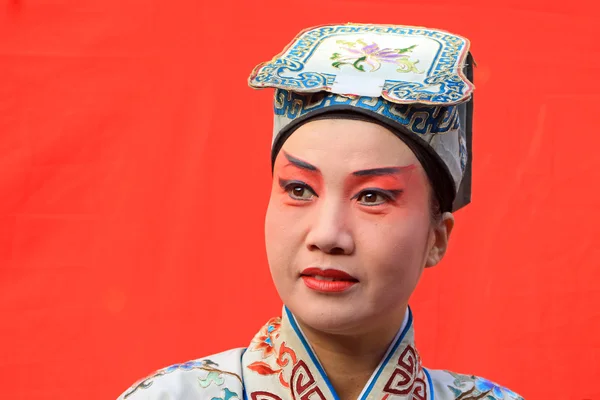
x,y
348,227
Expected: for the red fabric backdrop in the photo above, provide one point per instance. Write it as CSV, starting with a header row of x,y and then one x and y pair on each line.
x,y
134,175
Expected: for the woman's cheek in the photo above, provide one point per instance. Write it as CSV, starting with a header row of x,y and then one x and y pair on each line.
x,y
389,212
282,222
381,210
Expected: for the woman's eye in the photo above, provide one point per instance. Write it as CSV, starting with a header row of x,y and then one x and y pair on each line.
x,y
372,198
299,192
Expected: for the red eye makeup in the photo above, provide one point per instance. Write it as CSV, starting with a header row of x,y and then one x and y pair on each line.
x,y
302,181
378,186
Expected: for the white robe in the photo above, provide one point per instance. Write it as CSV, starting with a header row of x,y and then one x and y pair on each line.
x,y
279,364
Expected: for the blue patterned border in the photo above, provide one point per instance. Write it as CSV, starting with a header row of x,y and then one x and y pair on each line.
x,y
420,119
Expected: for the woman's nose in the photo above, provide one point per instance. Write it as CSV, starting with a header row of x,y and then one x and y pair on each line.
x,y
329,232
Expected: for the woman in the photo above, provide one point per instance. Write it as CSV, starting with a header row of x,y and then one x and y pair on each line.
x,y
371,154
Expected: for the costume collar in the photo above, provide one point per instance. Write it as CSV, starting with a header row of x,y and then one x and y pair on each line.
x,y
281,364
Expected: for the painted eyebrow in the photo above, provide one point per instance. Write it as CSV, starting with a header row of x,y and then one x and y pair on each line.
x,y
301,164
381,171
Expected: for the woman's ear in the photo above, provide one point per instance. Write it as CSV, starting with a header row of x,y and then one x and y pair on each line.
x,y
441,235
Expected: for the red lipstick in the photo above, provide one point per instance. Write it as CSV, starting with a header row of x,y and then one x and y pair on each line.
x,y
328,280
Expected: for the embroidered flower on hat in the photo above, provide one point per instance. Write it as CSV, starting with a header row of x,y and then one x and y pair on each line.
x,y
359,53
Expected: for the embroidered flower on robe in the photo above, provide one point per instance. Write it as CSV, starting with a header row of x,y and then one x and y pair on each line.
x,y
285,355
187,366
265,339
485,386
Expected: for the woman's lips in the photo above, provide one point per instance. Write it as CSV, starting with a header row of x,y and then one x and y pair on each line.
x,y
327,280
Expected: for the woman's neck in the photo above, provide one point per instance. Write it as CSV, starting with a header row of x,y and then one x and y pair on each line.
x,y
350,360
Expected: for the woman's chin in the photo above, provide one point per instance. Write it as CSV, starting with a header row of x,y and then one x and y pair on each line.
x,y
333,317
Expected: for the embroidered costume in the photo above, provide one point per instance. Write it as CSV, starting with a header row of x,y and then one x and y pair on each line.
x,y
417,82
279,364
